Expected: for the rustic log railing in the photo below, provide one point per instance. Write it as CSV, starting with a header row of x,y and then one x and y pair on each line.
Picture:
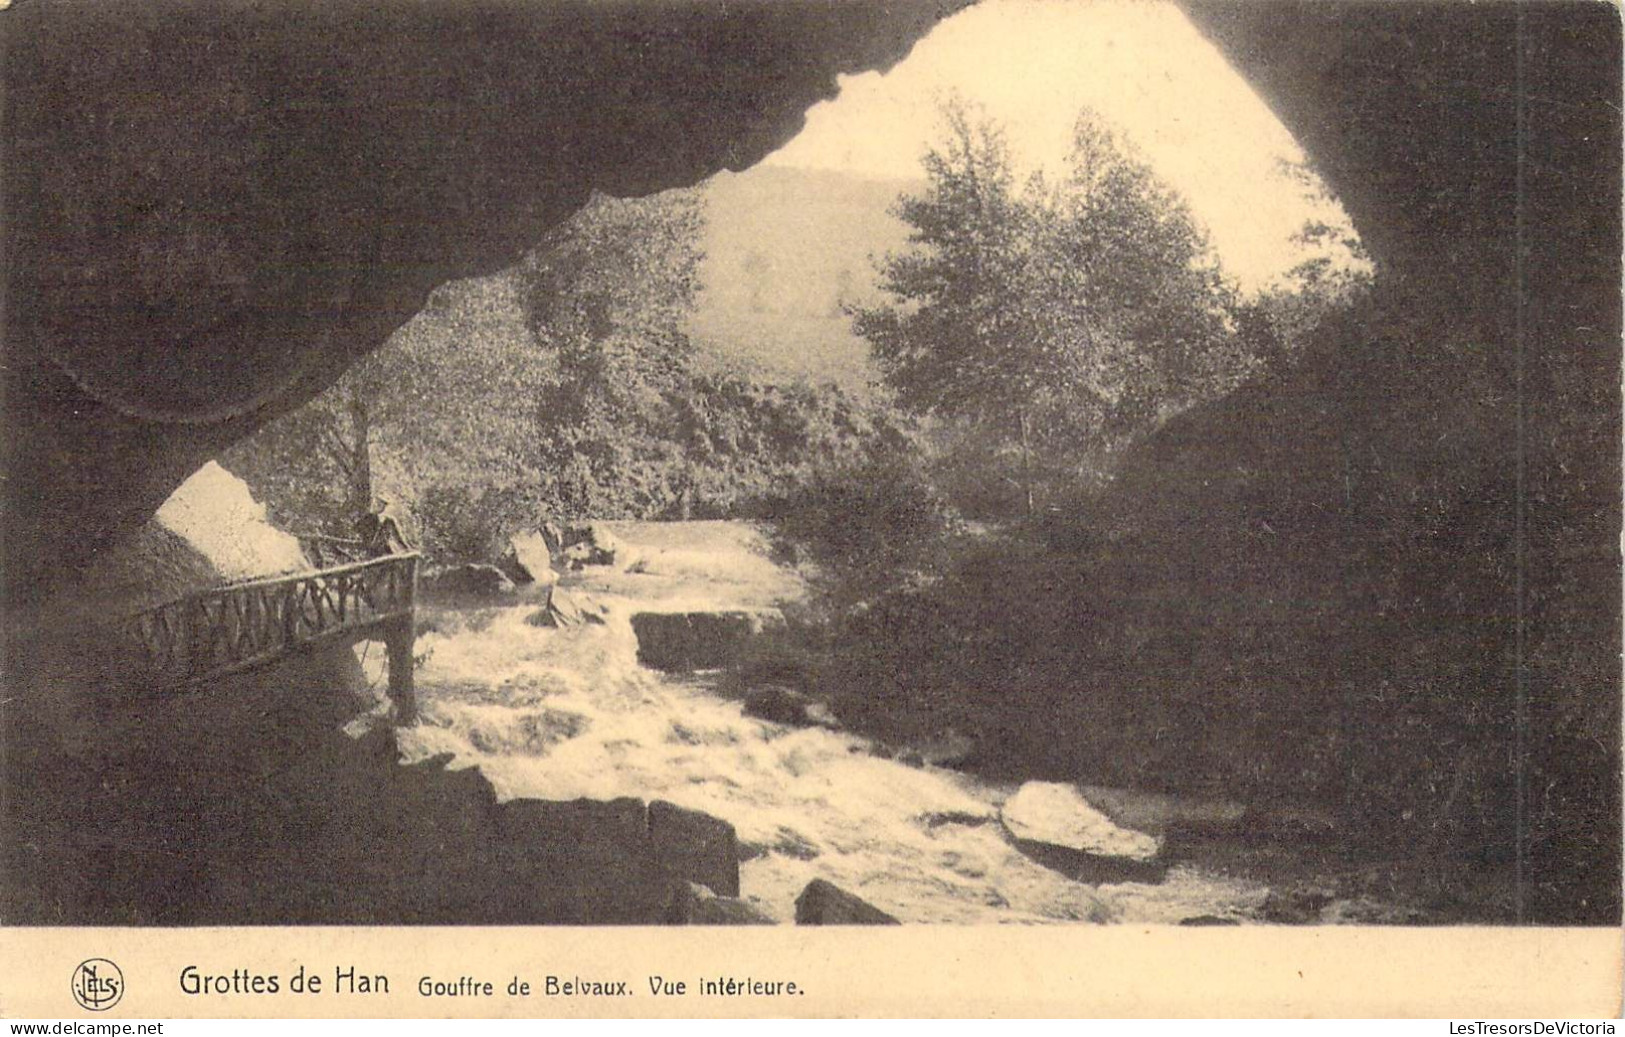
x,y
244,625
327,552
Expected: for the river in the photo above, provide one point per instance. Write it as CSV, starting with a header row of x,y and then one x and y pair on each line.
x,y
565,713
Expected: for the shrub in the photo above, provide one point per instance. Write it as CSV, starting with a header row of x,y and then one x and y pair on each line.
x,y
871,517
460,524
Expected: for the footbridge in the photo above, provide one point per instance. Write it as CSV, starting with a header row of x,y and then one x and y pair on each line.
x,y
241,626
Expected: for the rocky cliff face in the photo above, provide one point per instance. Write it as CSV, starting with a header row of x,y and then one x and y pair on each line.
x,y
1392,575
166,780
1324,588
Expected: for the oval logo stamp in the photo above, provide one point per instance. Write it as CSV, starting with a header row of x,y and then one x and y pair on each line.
x,y
97,984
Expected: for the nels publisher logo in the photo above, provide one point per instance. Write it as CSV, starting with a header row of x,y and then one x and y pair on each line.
x,y
97,984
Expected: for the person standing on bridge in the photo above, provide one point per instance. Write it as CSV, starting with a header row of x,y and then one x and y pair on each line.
x,y
380,532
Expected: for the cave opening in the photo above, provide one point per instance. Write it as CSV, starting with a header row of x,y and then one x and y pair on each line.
x,y
1354,567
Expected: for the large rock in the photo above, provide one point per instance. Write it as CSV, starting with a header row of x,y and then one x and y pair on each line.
x,y
528,560
210,531
679,642
695,846
625,820
783,705
639,852
695,904
592,544
215,513
1054,825
1091,868
473,583
1056,813
824,903
566,610
606,841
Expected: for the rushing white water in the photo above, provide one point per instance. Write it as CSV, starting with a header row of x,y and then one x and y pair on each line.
x,y
560,714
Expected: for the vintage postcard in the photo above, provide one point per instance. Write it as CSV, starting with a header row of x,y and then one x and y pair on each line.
x,y
810,508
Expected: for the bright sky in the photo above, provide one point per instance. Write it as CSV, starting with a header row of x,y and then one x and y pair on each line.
x,y
1032,64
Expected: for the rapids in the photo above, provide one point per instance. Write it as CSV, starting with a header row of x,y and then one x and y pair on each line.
x,y
564,713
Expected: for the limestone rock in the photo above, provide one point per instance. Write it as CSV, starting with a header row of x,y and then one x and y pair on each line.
x,y
529,560
694,904
468,582
783,705
623,821
214,512
824,903
566,610
1054,825
678,642
1092,868
694,846
588,859
1057,814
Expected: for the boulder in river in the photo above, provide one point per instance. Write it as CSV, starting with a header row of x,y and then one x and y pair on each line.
x,y
592,544
1057,813
566,610
529,561
824,903
783,705
694,904
695,846
637,852
1053,824
679,642
468,582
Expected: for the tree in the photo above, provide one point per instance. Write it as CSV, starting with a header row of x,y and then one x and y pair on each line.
x,y
447,398
1132,285
539,390
315,466
1053,318
564,387
957,310
608,293
1334,275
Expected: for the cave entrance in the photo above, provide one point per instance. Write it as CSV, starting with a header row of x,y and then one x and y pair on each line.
x,y
646,356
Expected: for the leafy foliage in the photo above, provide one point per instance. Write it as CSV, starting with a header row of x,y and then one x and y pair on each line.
x,y
606,295
1053,318
1334,277
562,389
447,398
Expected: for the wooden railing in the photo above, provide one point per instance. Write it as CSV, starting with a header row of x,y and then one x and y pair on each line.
x,y
327,552
240,626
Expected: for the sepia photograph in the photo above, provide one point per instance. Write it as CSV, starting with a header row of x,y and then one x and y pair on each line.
x,y
1075,463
